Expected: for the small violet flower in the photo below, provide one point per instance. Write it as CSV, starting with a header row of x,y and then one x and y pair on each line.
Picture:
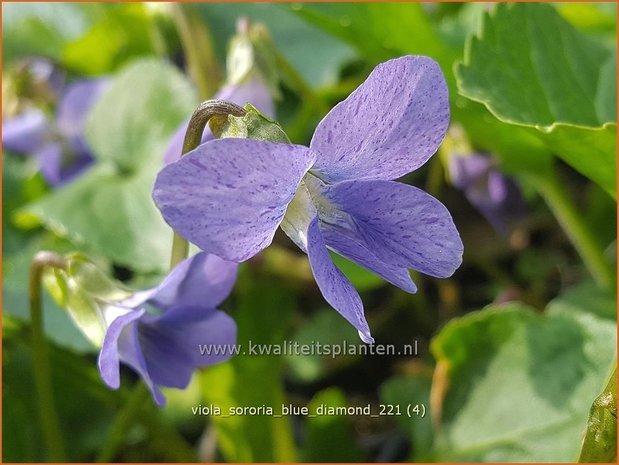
x,y
252,89
228,196
158,332
497,197
59,146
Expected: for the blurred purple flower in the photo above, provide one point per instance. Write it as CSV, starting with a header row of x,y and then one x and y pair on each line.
x,y
251,90
158,332
59,145
497,197
228,196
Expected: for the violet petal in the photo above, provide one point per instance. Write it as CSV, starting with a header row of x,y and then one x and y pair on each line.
x,y
334,286
24,133
202,280
389,126
402,225
228,196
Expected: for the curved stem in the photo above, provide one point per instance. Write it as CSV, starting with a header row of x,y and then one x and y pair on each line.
x,y
40,356
193,137
575,227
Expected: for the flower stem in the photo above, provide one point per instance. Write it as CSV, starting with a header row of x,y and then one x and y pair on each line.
x,y
193,137
40,357
197,44
575,227
116,435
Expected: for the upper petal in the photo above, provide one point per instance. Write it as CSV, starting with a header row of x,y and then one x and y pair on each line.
x,y
334,286
401,224
229,195
202,280
389,126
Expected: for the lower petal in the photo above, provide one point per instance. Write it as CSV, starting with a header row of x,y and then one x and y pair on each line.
x,y
121,344
334,286
402,225
352,246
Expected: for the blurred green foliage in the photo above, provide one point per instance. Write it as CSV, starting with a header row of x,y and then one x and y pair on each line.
x,y
508,382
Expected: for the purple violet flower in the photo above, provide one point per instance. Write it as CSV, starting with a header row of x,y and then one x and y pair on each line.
x,y
158,332
497,197
251,90
59,146
228,196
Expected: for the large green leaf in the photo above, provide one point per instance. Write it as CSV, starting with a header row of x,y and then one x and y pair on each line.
x,y
132,122
533,69
110,214
263,315
513,385
20,186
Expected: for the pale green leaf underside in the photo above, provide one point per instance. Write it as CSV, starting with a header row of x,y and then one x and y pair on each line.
x,y
531,68
112,214
525,381
109,208
132,122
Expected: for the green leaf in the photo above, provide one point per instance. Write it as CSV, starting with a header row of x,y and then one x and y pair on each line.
x,y
120,33
533,69
586,297
330,438
403,391
600,444
110,214
263,315
379,31
40,28
515,386
20,186
109,208
132,122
